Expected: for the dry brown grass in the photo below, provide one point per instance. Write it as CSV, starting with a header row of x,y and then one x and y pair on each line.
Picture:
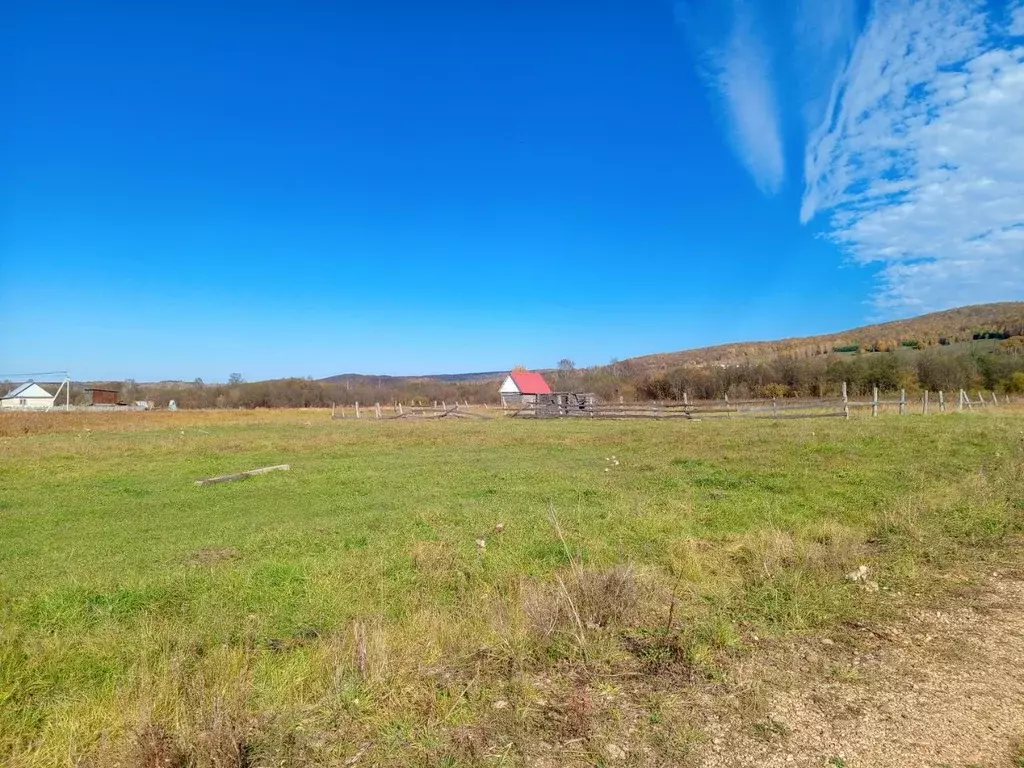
x,y
154,747
581,599
13,424
828,548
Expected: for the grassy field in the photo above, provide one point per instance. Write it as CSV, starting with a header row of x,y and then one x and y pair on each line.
x,y
345,612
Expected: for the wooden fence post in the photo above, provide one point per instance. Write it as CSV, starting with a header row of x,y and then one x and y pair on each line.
x,y
981,398
942,401
994,400
846,403
378,410
874,402
686,399
332,410
926,402
444,406
357,409
775,408
903,402
727,411
400,411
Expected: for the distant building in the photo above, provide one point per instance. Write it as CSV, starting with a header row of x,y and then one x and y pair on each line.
x,y
98,396
523,387
28,395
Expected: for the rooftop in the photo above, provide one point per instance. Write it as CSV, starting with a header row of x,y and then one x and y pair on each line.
x,y
530,383
21,388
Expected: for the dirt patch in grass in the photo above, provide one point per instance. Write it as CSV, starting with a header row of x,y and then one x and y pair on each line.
x,y
945,687
213,555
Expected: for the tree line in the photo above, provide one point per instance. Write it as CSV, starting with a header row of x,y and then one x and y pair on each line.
x,y
994,364
1001,370
292,393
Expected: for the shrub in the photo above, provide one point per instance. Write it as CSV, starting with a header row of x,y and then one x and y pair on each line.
x,y
1016,383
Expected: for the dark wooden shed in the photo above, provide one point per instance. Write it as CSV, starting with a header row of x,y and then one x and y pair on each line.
x,y
565,404
102,396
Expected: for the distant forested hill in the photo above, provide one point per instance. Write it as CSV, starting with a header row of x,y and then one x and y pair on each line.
x,y
1001,320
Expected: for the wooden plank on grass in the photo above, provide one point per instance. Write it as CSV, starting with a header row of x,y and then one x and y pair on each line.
x,y
242,475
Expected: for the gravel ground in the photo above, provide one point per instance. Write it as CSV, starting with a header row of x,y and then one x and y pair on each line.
x,y
945,688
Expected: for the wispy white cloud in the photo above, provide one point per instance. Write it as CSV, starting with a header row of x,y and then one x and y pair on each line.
x,y
1017,21
737,66
919,162
914,129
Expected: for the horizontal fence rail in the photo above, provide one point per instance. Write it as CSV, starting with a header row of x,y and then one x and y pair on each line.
x,y
803,408
687,409
692,411
411,412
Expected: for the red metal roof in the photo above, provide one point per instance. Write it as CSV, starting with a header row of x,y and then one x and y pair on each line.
x,y
530,383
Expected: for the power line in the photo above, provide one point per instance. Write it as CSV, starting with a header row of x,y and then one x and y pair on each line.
x,y
63,374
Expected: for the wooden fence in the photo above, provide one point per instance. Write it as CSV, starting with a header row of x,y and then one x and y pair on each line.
x,y
694,410
841,407
439,410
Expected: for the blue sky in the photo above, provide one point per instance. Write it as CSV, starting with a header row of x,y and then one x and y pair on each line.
x,y
309,188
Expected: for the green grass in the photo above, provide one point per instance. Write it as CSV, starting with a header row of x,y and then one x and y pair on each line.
x,y
144,619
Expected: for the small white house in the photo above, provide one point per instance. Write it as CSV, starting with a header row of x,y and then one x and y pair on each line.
x,y
28,395
523,387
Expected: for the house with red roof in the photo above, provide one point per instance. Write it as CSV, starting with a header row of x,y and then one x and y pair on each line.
x,y
523,387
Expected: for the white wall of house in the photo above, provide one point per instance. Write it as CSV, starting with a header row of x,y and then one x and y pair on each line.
x,y
33,397
27,402
508,387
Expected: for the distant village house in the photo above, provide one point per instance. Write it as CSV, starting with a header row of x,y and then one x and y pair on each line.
x,y
523,387
28,395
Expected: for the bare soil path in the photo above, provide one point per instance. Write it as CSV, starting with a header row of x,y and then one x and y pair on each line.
x,y
945,688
